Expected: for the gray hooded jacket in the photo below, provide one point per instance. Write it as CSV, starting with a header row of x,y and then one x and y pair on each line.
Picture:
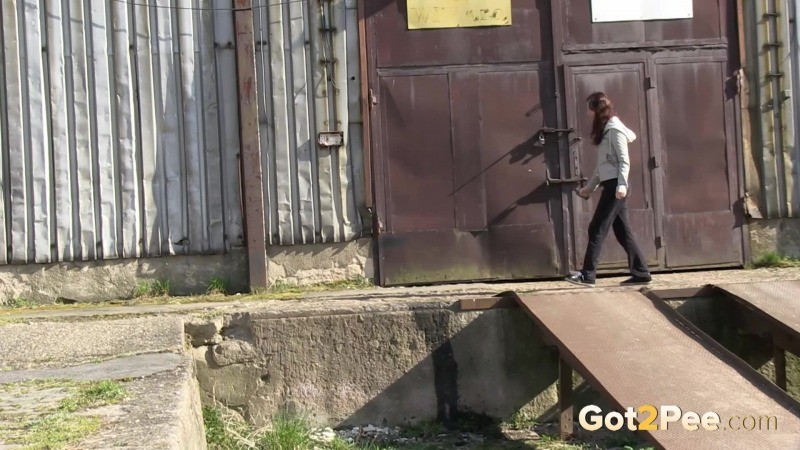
x,y
613,160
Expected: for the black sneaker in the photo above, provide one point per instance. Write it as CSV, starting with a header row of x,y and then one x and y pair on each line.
x,y
636,281
580,280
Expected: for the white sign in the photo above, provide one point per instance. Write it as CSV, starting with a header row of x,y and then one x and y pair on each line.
x,y
632,10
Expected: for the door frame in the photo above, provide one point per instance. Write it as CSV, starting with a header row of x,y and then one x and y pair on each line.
x,y
654,150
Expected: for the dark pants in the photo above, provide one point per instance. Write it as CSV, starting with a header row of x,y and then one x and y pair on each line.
x,y
612,212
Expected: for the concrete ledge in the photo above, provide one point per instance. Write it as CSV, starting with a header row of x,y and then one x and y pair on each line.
x,y
162,408
165,414
61,344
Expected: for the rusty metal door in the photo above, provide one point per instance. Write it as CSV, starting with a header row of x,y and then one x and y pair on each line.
x,y
625,85
703,217
673,84
462,149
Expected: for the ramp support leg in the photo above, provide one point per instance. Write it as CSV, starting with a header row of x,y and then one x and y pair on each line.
x,y
565,400
780,366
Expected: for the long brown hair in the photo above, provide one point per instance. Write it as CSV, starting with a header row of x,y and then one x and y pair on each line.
x,y
603,110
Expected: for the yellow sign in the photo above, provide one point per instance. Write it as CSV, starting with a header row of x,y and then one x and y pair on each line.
x,y
458,13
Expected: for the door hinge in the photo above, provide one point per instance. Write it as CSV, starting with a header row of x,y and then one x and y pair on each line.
x,y
659,242
379,223
373,100
650,83
654,164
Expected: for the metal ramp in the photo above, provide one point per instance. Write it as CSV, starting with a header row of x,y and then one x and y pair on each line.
x,y
773,307
638,351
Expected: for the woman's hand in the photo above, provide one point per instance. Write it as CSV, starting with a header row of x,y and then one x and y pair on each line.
x,y
622,192
584,193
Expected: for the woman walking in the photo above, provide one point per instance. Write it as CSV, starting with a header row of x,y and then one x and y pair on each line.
x,y
611,137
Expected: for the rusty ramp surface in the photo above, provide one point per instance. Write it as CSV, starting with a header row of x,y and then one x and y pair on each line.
x,y
637,351
777,302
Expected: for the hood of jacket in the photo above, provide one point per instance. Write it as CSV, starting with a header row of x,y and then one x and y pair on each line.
x,y
615,124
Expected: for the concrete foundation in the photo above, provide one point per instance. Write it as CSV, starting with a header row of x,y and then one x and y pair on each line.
x,y
321,263
405,367
780,236
390,368
96,281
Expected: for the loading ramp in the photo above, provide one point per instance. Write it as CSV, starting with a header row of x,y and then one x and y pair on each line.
x,y
636,350
773,307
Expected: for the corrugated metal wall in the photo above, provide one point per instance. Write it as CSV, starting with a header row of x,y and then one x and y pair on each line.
x,y
119,130
119,126
772,153
308,66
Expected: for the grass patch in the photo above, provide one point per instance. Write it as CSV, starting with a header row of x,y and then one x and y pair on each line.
x,y
281,287
218,286
59,426
773,260
19,303
94,395
520,421
227,431
289,432
59,430
156,288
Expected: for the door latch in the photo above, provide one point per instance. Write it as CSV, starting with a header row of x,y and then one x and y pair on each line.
x,y
557,131
551,181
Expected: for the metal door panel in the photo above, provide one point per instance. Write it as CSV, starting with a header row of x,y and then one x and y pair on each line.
x,y
707,24
624,83
466,190
526,40
702,227
419,160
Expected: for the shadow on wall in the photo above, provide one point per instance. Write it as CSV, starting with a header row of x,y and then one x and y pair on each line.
x,y
475,376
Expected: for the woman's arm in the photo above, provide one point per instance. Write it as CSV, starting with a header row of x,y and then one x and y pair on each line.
x,y
619,142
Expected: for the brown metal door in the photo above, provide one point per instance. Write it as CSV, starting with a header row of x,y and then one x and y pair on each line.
x,y
702,218
460,173
625,85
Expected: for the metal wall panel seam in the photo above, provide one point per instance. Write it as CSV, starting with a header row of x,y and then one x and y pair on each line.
x,y
84,131
150,180
266,113
303,153
71,144
170,147
787,111
51,224
38,154
769,168
355,125
212,176
229,124
180,242
60,132
21,172
4,203
101,114
280,69
127,143
113,103
191,138
347,212
324,120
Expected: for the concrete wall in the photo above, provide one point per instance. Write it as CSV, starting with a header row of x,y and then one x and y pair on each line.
x,y
378,368
95,281
319,263
416,364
